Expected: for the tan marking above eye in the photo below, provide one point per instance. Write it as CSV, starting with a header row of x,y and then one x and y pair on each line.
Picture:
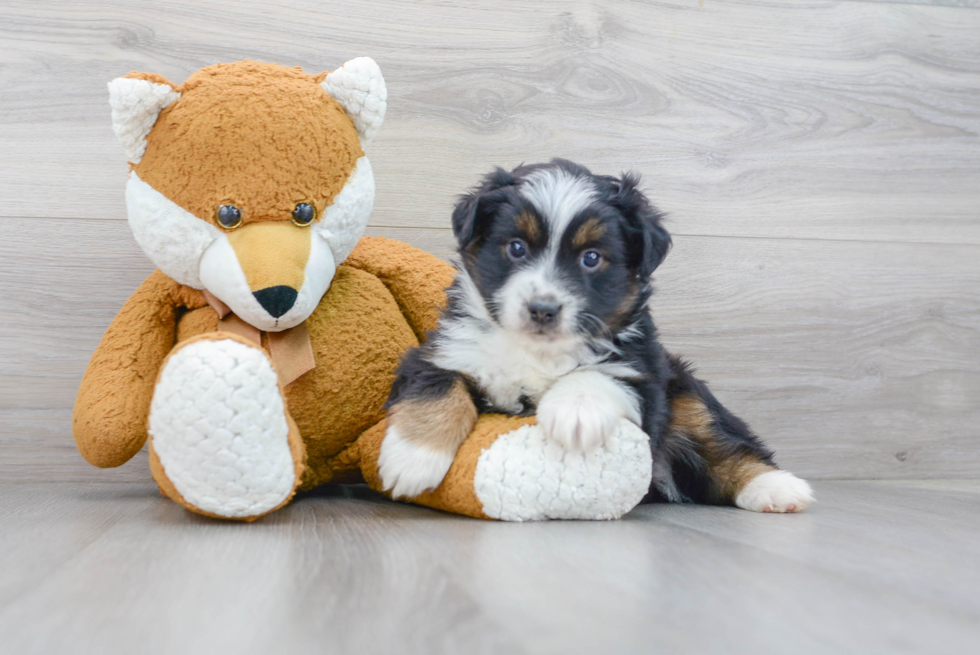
x,y
588,232
529,225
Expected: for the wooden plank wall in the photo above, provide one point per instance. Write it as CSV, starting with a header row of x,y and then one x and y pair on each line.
x,y
820,162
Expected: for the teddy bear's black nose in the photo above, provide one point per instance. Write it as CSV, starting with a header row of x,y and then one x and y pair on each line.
x,y
276,300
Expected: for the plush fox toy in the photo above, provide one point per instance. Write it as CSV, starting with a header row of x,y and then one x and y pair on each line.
x,y
259,356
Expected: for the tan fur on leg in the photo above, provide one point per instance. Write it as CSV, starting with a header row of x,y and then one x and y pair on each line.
x,y
422,439
730,472
440,423
456,492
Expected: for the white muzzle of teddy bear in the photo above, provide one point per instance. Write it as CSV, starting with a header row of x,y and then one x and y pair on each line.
x,y
222,275
196,253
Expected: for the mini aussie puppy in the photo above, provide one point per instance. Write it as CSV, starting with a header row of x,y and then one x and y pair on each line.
x,y
549,316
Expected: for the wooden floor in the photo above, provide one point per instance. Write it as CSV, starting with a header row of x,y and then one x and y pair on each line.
x,y
875,567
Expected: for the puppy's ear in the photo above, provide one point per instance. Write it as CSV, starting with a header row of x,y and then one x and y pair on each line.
x,y
475,210
647,240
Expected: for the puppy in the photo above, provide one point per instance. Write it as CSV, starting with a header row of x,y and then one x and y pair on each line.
x,y
549,315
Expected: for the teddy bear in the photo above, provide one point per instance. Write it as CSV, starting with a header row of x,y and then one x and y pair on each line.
x,y
257,358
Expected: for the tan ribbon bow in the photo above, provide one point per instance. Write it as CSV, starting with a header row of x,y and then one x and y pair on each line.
x,y
291,350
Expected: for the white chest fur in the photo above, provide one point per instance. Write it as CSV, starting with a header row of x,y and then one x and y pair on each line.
x,y
507,365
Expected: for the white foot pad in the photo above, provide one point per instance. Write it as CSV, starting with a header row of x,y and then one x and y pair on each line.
x,y
524,476
775,491
219,427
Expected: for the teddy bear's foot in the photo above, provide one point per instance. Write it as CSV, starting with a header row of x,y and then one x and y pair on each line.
x,y
222,443
525,476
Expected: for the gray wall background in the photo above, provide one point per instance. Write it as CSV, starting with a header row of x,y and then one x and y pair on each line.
x,y
820,163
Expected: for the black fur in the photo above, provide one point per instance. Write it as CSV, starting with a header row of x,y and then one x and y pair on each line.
x,y
475,211
419,379
646,238
734,437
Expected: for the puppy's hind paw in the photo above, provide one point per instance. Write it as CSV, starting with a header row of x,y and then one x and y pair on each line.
x,y
775,491
408,469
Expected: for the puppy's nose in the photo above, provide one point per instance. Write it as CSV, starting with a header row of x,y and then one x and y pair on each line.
x,y
276,300
544,311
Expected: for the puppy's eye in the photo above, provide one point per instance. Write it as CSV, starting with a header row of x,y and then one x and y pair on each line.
x,y
304,214
228,216
516,249
591,259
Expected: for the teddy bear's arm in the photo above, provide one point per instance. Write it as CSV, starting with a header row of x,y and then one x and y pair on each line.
x,y
416,279
113,402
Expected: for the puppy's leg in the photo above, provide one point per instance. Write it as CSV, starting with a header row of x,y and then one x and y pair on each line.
x,y
430,413
738,468
583,408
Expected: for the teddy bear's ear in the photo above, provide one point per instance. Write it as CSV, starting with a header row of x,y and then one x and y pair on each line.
x,y
136,100
360,89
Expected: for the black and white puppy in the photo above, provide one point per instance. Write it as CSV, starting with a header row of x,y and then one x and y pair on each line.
x,y
549,315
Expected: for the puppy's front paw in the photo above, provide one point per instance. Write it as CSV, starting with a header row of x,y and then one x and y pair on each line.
x,y
577,420
775,491
408,469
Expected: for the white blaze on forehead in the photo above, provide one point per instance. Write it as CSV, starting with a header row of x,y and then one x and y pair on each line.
x,y
558,196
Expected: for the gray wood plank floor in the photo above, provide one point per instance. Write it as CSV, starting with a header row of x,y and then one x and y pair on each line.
x,y
875,567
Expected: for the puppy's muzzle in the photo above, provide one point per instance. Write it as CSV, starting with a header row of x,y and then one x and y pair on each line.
x,y
544,312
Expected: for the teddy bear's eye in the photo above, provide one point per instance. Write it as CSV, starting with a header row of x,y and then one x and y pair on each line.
x,y
304,214
228,216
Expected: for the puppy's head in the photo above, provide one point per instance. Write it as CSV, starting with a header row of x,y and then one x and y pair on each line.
x,y
555,251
